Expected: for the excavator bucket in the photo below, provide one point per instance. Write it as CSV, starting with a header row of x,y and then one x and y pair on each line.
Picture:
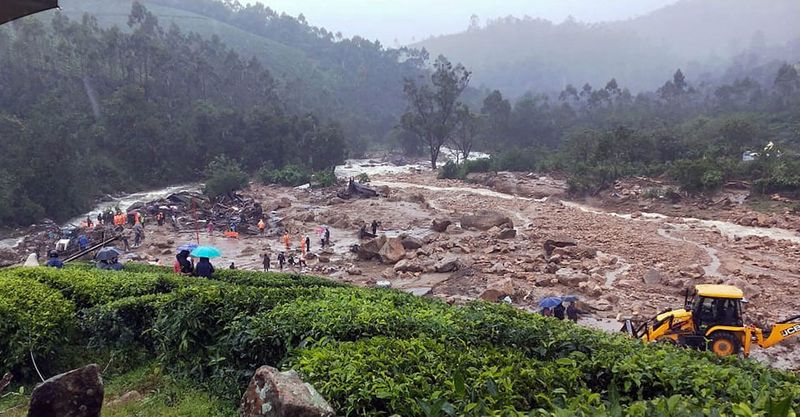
x,y
14,9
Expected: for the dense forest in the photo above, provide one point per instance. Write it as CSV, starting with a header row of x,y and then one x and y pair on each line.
x,y
708,39
697,134
86,110
355,81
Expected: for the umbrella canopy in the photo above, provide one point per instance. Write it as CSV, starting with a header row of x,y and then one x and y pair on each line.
x,y
14,9
107,254
549,302
569,298
206,252
187,247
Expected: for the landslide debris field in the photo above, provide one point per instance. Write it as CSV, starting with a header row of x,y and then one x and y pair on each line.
x,y
486,238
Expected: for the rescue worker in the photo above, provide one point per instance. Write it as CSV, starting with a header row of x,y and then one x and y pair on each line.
x,y
262,225
374,227
327,236
303,247
308,244
83,242
287,241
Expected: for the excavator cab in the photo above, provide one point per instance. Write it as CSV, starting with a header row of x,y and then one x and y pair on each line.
x,y
717,318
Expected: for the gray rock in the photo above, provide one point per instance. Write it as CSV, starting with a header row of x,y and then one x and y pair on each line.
x,y
652,277
571,277
392,251
371,249
407,265
411,243
282,394
440,225
485,220
77,393
448,264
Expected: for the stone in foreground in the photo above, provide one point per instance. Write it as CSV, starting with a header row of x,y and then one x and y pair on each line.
x,y
77,393
282,394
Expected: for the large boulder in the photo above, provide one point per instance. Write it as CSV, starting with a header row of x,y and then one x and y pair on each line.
x,y
371,249
571,277
449,263
558,242
652,277
485,220
282,394
77,393
440,225
407,265
392,251
411,243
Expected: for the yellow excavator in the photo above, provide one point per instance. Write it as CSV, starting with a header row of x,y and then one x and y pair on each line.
x,y
712,320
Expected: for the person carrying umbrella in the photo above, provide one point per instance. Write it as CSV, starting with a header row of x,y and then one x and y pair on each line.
x,y
204,268
184,265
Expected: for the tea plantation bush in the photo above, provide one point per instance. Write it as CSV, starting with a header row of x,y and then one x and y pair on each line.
x,y
370,352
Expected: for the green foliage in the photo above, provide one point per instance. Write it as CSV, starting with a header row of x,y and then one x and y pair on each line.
x,y
371,352
697,175
289,176
363,178
33,318
323,179
451,170
224,176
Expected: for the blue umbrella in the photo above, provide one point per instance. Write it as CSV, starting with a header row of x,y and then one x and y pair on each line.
x,y
206,252
107,254
188,247
549,302
570,298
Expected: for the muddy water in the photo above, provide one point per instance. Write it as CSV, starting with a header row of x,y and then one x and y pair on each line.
x,y
126,200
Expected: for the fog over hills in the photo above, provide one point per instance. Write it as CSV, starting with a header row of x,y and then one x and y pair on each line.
x,y
708,39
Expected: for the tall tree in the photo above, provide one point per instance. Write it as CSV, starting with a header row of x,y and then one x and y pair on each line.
x,y
432,107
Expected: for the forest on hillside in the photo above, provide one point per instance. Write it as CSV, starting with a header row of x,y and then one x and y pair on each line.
x,y
86,110
356,81
697,134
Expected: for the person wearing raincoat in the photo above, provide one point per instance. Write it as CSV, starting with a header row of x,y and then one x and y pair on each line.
x,y
204,268
261,226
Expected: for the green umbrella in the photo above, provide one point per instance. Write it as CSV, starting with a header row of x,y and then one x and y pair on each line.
x,y
14,9
206,252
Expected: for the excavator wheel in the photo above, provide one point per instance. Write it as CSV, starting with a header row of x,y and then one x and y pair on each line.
x,y
724,344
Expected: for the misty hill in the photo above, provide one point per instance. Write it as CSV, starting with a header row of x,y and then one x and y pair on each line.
x,y
703,37
355,81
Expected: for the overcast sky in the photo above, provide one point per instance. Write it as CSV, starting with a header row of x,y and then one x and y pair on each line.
x,y
404,20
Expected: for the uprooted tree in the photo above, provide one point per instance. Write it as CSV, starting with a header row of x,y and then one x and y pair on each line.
x,y
432,114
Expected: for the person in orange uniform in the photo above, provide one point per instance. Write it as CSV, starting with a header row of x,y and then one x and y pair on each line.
x,y
261,226
287,241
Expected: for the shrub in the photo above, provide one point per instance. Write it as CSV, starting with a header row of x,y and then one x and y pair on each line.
x,y
386,376
223,176
323,179
33,318
288,176
697,175
451,170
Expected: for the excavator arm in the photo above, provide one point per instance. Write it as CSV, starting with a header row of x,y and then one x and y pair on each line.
x,y
779,332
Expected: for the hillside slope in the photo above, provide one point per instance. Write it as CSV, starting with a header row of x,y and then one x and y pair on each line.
x,y
701,37
356,82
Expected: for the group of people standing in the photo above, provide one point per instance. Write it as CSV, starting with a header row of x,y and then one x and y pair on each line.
x,y
186,266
